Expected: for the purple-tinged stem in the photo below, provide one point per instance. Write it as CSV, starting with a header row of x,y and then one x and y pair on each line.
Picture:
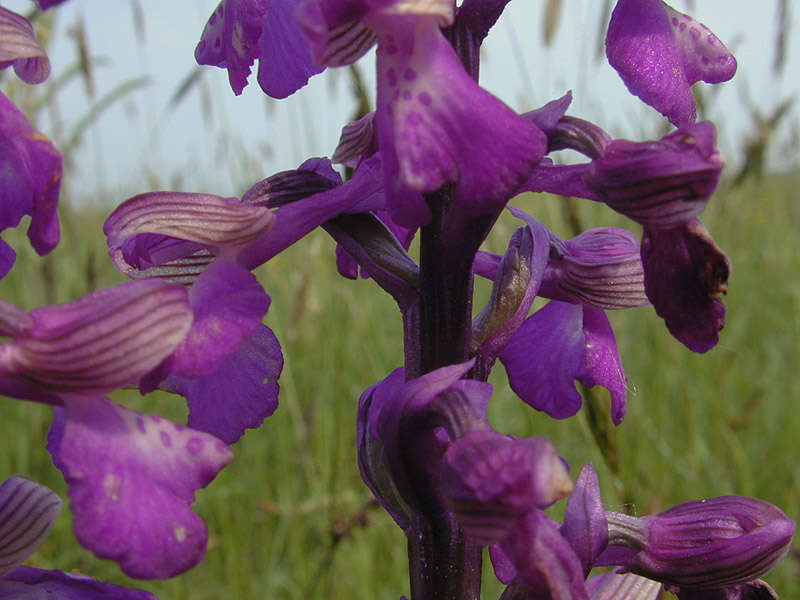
x,y
443,564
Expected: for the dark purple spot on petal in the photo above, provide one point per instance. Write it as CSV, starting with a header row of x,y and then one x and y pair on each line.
x,y
694,32
410,75
425,98
391,49
406,94
396,95
217,42
140,424
194,445
391,75
413,119
675,21
155,418
178,426
682,26
165,439
705,60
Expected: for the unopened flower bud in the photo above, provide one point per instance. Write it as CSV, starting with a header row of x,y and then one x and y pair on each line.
x,y
705,544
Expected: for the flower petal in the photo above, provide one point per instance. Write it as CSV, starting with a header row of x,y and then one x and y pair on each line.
x,y
159,227
601,267
623,586
660,53
437,126
47,4
545,357
357,141
27,513
30,178
230,39
240,394
334,30
18,46
661,183
516,283
13,320
104,341
603,364
284,60
362,193
132,479
504,569
545,562
228,304
491,480
312,177
376,400
585,526
27,583
685,272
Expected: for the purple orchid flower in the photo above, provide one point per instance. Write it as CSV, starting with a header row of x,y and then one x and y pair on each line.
x,y
663,185
660,53
570,338
210,243
131,476
198,239
27,512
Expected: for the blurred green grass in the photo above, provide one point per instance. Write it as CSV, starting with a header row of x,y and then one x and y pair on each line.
x,y
290,518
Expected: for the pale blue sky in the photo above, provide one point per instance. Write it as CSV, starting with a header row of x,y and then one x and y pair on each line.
x,y
141,144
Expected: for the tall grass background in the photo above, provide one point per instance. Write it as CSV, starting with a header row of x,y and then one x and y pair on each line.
x,y
289,518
